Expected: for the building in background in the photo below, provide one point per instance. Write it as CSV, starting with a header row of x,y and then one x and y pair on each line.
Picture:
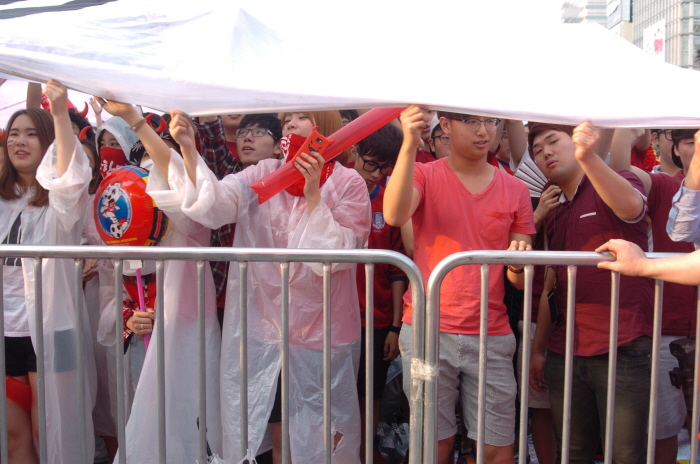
x,y
584,11
669,29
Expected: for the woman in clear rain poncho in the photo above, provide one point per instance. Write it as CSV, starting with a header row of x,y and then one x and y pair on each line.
x,y
334,215
180,324
43,193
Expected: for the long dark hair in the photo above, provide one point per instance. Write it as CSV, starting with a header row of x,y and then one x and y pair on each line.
x,y
43,123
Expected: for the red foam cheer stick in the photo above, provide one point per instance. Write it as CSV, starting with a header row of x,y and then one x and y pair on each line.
x,y
341,140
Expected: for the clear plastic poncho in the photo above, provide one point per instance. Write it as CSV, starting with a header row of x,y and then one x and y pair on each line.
x,y
59,223
181,350
340,221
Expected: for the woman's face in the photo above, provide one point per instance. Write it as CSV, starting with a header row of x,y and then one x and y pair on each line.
x,y
108,140
23,145
297,123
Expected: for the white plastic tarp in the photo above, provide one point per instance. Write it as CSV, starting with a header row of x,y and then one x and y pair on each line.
x,y
222,56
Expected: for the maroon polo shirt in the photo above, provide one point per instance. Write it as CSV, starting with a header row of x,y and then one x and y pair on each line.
x,y
680,301
583,224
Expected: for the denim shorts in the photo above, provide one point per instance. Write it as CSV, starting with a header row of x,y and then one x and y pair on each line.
x,y
589,402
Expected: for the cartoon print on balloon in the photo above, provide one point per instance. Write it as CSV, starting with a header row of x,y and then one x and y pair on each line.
x,y
124,213
115,210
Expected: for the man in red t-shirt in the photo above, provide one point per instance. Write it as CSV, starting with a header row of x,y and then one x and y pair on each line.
x,y
375,156
597,204
461,203
679,301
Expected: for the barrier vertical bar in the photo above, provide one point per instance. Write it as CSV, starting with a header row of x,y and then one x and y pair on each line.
x,y
119,347
284,268
569,360
369,363
695,421
160,361
655,351
327,438
202,423
243,303
423,388
40,371
483,344
79,340
3,393
612,365
525,370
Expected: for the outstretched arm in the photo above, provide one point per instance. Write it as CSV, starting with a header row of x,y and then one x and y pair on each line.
x,y
65,139
615,190
401,199
517,139
631,260
622,143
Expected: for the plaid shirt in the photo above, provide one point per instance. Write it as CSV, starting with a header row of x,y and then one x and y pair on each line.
x,y
222,163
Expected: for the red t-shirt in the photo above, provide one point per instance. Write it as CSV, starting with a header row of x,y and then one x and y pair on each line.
x,y
645,159
584,224
234,149
382,236
450,219
680,301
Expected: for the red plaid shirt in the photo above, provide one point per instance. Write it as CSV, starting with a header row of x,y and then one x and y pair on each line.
x,y
222,162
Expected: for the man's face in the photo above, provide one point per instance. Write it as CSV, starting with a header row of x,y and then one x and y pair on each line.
x,y
662,139
553,152
464,140
440,144
370,170
252,149
685,150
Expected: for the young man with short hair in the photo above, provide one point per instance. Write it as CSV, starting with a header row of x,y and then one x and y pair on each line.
x,y
596,205
463,203
376,155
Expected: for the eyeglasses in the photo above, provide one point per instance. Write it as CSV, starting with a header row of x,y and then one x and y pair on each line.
x,y
474,124
444,139
371,166
668,133
256,131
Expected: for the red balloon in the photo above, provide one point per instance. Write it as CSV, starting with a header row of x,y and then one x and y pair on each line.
x,y
124,213
340,141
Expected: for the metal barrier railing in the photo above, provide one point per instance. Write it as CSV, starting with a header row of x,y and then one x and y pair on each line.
x,y
201,255
571,260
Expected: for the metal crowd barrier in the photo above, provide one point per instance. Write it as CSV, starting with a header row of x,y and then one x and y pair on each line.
x,y
571,260
201,255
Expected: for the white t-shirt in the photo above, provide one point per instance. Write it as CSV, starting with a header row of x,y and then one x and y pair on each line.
x,y
16,324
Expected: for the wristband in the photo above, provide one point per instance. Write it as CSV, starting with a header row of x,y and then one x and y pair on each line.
x,y
393,328
510,268
138,124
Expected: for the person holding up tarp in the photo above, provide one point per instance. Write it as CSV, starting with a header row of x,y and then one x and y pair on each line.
x,y
332,212
596,204
180,315
43,193
494,213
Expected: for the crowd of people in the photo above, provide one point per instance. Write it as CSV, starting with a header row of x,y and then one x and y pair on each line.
x,y
429,184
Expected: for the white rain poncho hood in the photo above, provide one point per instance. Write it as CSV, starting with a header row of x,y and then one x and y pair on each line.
x,y
340,221
60,223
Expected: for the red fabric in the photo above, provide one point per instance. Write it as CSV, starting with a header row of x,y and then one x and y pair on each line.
x,y
644,160
382,236
423,156
20,393
584,224
680,301
233,148
450,219
111,159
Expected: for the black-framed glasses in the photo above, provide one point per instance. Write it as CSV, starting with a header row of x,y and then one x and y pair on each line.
x,y
256,131
667,133
444,139
371,166
474,124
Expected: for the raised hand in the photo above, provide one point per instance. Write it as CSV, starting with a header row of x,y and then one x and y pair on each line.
x,y
585,137
413,120
126,111
57,94
310,166
182,131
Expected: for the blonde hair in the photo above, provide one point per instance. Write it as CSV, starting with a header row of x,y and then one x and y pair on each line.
x,y
328,122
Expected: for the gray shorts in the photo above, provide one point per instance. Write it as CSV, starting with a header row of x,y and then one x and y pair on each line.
x,y
459,376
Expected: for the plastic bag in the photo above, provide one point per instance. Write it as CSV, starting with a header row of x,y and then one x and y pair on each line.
x,y
393,440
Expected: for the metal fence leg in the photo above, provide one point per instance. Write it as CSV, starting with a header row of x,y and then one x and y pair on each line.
x,y
80,339
327,435
612,366
243,302
160,361
369,363
525,371
569,361
284,267
119,347
40,370
3,393
202,364
483,344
